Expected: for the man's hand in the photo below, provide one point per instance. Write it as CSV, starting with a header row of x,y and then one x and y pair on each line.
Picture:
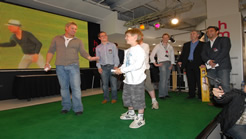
x,y
100,70
180,64
93,58
47,67
157,65
118,71
211,63
171,67
203,66
35,58
218,92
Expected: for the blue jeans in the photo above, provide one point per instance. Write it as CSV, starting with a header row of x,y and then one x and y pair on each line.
x,y
237,132
164,79
223,76
106,77
70,76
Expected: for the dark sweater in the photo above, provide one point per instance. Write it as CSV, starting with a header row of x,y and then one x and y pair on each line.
x,y
67,55
234,107
220,52
28,43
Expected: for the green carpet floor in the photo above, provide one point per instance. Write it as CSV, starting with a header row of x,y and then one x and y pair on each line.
x,y
177,118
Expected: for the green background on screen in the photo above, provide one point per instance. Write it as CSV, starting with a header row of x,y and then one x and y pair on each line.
x,y
44,26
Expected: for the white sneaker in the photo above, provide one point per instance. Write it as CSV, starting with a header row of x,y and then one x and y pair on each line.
x,y
124,113
155,105
138,122
127,116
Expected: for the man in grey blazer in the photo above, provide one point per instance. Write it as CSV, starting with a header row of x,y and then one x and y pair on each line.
x,y
216,55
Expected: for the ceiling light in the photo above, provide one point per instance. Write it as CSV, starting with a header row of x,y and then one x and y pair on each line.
x,y
175,21
157,25
142,26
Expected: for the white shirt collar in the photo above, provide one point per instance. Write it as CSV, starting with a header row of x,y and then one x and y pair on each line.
x,y
212,42
67,40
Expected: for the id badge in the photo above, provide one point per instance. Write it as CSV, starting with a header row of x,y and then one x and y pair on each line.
x,y
110,51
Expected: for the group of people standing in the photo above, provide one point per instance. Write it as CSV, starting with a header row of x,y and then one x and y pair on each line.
x,y
107,52
136,71
213,54
195,54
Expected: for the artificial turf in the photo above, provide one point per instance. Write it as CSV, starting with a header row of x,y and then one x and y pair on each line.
x,y
177,118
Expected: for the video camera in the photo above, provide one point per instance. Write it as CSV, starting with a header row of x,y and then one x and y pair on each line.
x,y
217,81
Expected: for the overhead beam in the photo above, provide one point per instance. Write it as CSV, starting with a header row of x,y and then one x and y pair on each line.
x,y
118,4
181,8
151,8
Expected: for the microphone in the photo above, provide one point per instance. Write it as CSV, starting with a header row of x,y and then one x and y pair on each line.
x,y
217,81
214,79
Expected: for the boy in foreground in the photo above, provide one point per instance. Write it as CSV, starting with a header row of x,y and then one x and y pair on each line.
x,y
133,67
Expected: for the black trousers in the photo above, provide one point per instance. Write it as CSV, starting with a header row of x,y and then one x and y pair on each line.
x,y
194,79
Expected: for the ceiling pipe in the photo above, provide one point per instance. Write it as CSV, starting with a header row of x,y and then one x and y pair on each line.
x,y
119,3
97,3
151,8
181,8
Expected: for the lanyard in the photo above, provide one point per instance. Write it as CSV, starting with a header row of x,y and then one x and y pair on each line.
x,y
166,50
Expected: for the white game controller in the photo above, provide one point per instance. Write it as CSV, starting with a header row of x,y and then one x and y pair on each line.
x,y
47,68
113,70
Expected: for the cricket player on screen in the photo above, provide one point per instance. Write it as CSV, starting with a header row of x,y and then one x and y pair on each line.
x,y
29,44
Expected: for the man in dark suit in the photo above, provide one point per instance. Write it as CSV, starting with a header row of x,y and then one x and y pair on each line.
x,y
216,54
190,60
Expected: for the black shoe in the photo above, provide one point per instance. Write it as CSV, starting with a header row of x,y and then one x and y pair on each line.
x,y
167,96
211,104
79,113
162,98
64,111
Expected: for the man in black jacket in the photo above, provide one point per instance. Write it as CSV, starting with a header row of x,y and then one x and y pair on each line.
x,y
216,54
233,116
190,60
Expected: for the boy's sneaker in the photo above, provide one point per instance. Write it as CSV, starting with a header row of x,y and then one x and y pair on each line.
x,y
155,105
125,113
138,122
127,116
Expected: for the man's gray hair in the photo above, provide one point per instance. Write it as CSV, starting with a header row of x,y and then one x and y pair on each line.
x,y
71,23
197,31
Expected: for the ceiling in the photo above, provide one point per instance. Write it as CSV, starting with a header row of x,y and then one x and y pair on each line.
x,y
128,10
133,12
151,11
